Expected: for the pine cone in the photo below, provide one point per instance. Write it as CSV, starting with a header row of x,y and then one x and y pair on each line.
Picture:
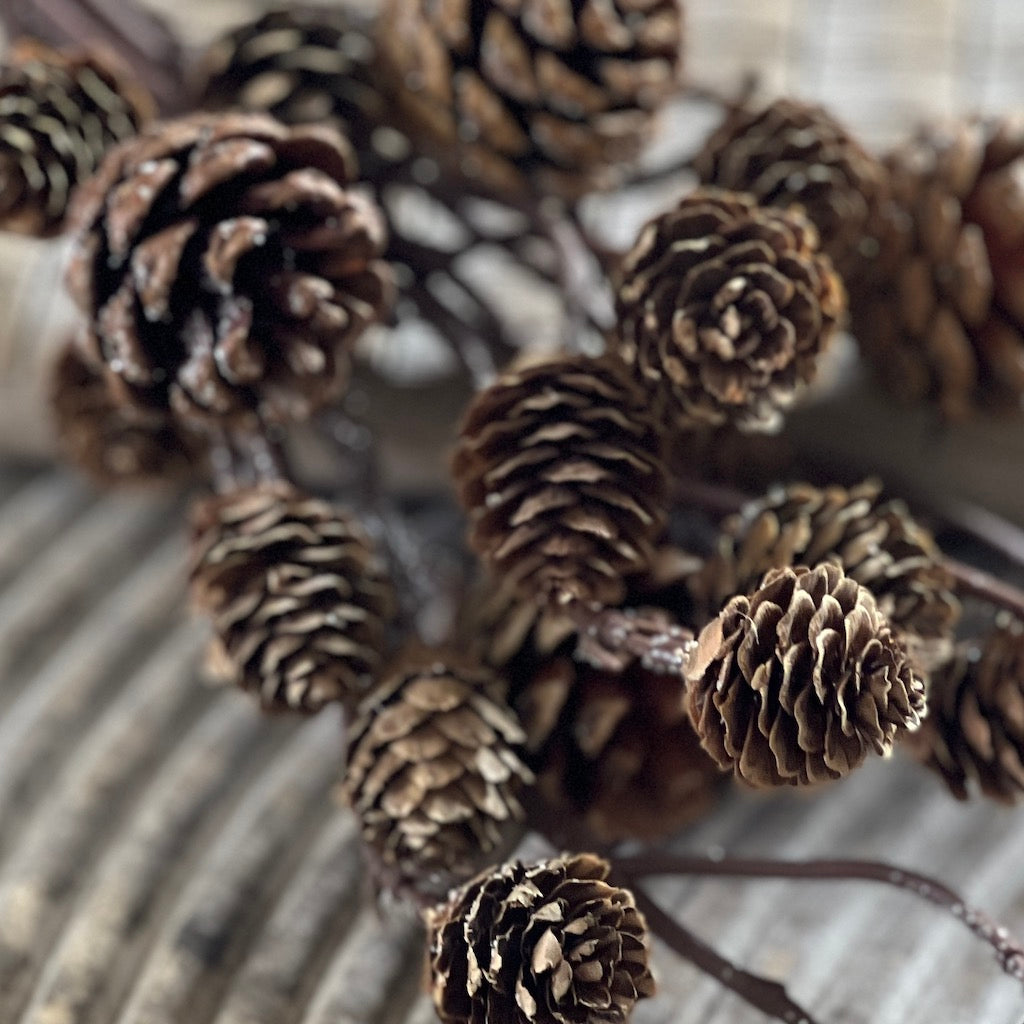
x,y
876,543
304,65
942,317
433,771
227,267
975,731
790,152
615,750
556,92
299,600
113,444
60,111
797,683
559,467
724,308
547,943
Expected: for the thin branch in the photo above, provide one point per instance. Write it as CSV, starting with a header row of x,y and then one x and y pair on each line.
x,y
1009,951
977,583
765,995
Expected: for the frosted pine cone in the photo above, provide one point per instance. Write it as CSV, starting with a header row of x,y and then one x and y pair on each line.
x,y
227,267
559,467
112,443
799,682
560,93
433,772
791,152
876,542
942,317
60,111
546,943
299,599
974,735
724,308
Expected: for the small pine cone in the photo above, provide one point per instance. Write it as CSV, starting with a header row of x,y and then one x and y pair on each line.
x,y
557,92
790,152
974,734
942,318
111,443
304,65
433,772
545,943
877,543
797,683
724,308
227,266
615,750
559,467
299,600
60,111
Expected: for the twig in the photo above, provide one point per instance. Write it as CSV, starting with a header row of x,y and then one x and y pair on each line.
x,y
1009,951
765,995
983,585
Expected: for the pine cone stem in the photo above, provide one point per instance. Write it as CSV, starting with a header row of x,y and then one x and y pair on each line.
x,y
763,994
978,583
610,638
1009,951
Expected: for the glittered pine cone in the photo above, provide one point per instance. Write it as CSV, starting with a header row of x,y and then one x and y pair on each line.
x,y
791,152
723,309
434,771
114,444
559,93
974,735
942,318
614,750
226,266
299,600
545,943
877,543
559,467
797,683
60,111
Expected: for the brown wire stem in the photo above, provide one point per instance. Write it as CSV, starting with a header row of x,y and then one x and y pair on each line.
x,y
980,584
765,995
1009,951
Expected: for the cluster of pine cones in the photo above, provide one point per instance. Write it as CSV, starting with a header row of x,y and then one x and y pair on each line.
x,y
226,263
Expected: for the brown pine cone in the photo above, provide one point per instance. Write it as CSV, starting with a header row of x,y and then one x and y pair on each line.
x,y
974,735
791,152
546,943
433,772
877,543
942,318
557,92
723,309
299,600
615,750
111,443
60,111
559,467
797,683
227,267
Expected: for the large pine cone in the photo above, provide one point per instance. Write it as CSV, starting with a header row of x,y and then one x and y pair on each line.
x,y
942,319
790,152
227,266
557,91
615,750
59,113
559,466
111,443
299,600
433,772
547,943
724,308
974,735
876,542
797,683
